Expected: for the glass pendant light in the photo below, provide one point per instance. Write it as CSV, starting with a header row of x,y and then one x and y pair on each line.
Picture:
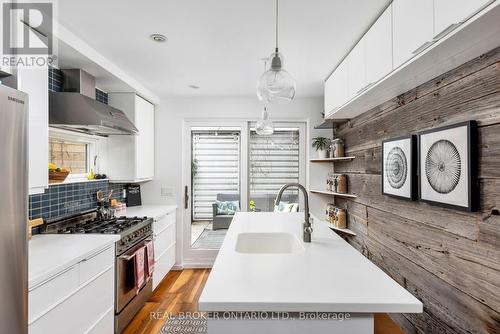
x,y
264,126
276,84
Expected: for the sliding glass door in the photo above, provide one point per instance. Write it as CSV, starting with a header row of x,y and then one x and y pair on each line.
x,y
275,160
215,177
228,167
215,169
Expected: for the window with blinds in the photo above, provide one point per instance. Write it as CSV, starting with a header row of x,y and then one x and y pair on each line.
x,y
273,161
215,169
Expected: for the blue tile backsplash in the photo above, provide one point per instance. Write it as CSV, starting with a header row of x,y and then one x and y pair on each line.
x,y
55,79
101,96
56,85
67,199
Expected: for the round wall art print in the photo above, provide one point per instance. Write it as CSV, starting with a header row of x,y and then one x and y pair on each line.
x,y
448,167
398,167
443,166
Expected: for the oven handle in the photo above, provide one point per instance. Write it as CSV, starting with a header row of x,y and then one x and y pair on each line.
x,y
130,257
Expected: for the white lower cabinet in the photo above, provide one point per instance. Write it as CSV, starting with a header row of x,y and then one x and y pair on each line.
x,y
164,246
79,299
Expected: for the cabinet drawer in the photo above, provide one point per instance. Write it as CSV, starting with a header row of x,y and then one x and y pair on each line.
x,y
163,222
47,295
163,265
164,240
105,325
80,312
96,264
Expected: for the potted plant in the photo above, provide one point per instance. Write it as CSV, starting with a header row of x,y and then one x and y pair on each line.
x,y
321,144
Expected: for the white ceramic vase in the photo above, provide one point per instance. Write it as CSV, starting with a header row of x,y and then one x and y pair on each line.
x,y
323,154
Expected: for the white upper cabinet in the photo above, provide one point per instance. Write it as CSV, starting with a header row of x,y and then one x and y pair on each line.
x,y
384,63
449,13
145,141
356,69
378,48
336,89
131,158
413,28
35,82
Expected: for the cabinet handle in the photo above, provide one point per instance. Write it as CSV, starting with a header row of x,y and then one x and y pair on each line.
x,y
445,31
94,254
422,47
365,88
52,277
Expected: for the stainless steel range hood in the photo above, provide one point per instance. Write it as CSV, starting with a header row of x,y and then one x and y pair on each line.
x,y
76,109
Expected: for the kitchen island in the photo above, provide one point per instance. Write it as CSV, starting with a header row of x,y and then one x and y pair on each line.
x,y
267,280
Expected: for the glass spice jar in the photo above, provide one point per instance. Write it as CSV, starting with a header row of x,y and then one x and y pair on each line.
x,y
340,183
337,148
329,181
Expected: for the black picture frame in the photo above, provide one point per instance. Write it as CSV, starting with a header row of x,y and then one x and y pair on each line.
x,y
412,170
472,167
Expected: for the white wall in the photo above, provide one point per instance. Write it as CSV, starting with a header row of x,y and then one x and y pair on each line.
x,y
168,157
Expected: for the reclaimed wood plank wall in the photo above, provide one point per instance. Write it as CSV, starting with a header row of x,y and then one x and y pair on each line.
x,y
449,259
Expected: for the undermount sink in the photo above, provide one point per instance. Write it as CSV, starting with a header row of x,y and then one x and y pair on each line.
x,y
268,243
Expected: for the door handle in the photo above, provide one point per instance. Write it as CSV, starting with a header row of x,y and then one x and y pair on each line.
x,y
445,31
186,197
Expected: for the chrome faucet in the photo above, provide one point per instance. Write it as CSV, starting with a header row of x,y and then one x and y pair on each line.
x,y
307,216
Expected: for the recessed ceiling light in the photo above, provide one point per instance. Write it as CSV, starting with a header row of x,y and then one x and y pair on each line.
x,y
194,87
158,38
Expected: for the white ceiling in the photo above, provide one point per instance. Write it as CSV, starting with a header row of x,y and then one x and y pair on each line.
x,y
218,44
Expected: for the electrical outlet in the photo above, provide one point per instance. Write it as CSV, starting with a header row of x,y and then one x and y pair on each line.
x,y
166,191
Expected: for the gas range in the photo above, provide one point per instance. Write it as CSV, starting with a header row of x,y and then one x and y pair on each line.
x,y
131,229
135,233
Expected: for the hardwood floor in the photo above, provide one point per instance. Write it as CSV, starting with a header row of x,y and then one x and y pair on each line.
x,y
179,293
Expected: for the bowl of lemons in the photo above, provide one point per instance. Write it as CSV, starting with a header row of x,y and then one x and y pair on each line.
x,y
56,174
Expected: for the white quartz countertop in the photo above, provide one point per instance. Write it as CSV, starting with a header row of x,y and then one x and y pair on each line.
x,y
153,211
50,254
329,275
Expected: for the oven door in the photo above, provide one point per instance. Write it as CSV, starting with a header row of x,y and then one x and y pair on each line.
x,y
125,277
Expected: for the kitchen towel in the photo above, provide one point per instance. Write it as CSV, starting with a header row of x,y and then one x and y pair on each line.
x,y
150,253
139,267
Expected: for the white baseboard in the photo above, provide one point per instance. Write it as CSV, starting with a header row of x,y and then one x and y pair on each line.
x,y
198,264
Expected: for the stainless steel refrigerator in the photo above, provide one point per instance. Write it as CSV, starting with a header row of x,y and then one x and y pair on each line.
x,y
13,211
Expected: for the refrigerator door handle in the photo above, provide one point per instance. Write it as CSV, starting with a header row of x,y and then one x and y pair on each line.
x,y
186,197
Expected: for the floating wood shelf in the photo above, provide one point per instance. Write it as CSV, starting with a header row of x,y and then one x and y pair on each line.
x,y
332,159
331,193
343,230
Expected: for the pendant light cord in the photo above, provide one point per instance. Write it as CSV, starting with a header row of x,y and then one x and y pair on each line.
x,y
277,24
